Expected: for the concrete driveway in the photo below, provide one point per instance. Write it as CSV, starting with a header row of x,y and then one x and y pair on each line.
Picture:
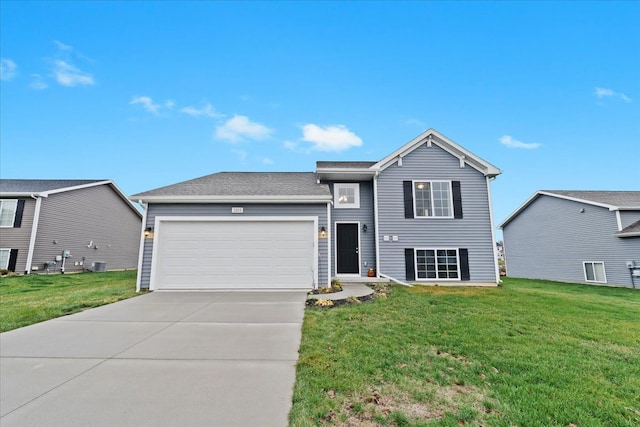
x,y
160,359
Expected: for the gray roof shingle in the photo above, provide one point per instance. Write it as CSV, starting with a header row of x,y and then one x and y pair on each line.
x,y
613,198
245,184
630,229
41,185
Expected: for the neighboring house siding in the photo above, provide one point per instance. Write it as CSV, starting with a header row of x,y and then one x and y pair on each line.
x,y
364,215
202,209
472,232
75,218
629,217
550,239
18,238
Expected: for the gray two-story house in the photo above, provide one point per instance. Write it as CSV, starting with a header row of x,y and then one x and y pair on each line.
x,y
576,236
420,215
49,226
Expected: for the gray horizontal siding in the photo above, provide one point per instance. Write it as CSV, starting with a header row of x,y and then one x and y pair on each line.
x,y
551,239
629,217
18,238
75,218
365,216
472,232
202,209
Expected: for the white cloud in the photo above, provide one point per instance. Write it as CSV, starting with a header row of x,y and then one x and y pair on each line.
x,y
62,46
8,69
289,145
415,122
37,82
330,138
68,75
238,128
148,104
267,161
606,93
514,143
207,111
242,155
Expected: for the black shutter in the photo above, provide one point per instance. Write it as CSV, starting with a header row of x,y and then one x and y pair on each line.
x,y
408,198
13,257
17,221
408,262
457,199
464,264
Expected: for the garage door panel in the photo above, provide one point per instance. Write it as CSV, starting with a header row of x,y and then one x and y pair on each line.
x,y
234,254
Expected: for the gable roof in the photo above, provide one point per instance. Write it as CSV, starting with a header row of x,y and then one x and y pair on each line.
x,y
632,230
612,200
30,186
46,187
242,186
431,136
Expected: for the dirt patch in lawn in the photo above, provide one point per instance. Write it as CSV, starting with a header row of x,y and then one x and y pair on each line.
x,y
390,404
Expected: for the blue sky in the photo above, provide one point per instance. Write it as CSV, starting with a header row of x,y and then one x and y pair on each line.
x,y
153,93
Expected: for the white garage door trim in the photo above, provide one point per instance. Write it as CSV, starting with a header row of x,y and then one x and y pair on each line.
x,y
159,220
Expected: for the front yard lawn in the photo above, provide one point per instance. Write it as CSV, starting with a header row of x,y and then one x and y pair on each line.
x,y
528,353
37,297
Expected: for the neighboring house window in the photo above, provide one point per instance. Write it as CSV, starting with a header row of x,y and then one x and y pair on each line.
x,y
346,196
437,264
8,210
4,258
432,199
594,272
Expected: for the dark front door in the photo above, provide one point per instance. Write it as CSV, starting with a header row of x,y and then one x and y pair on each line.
x,y
347,258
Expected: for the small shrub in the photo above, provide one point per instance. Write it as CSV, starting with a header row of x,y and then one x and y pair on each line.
x,y
353,300
5,272
325,290
323,303
336,285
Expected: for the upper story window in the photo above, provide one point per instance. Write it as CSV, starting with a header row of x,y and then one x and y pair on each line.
x,y
432,199
346,196
8,210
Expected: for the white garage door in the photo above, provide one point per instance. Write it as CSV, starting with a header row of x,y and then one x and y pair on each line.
x,y
224,254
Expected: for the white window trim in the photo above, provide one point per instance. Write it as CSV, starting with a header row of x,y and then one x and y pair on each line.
x,y
8,258
413,192
356,195
415,264
13,220
584,271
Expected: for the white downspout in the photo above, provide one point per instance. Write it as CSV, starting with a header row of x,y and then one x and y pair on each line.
x,y
493,235
329,273
142,242
400,282
34,230
375,220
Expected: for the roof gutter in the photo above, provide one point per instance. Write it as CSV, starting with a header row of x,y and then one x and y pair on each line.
x,y
232,199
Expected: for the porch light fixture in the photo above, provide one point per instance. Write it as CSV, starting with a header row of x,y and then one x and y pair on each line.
x,y
148,231
323,232
364,228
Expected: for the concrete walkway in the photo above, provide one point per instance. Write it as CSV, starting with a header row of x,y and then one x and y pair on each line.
x,y
160,359
357,290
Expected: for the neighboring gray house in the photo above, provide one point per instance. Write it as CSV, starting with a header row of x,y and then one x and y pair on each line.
x,y
575,236
420,215
66,225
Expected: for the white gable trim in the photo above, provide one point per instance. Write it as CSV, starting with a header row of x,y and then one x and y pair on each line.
x,y
557,196
431,137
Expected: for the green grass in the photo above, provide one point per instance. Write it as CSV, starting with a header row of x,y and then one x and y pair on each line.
x,y
25,300
528,353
